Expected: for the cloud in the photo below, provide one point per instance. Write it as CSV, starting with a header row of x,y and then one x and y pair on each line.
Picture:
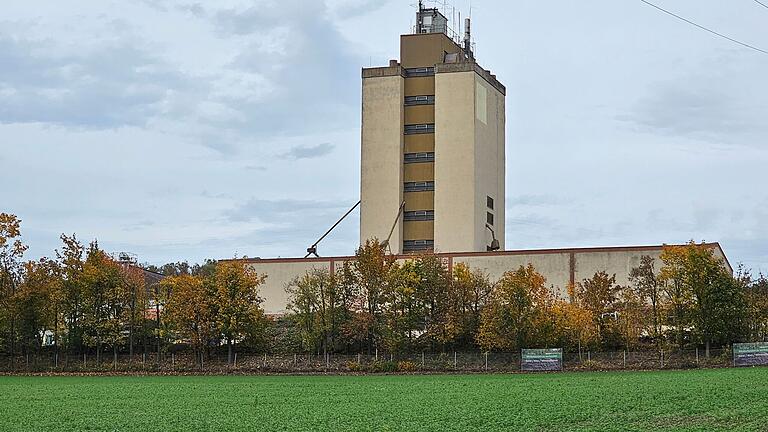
x,y
117,85
282,211
308,151
719,103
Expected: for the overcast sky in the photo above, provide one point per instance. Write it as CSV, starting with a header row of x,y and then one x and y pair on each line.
x,y
184,130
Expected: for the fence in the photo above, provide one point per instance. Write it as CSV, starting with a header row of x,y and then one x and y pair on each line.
x,y
476,362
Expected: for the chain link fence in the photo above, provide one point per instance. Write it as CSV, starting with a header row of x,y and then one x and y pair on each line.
x,y
378,362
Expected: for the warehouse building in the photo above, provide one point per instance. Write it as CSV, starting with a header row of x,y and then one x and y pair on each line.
x,y
433,171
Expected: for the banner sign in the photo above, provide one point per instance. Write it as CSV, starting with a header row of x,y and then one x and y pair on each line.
x,y
750,354
542,359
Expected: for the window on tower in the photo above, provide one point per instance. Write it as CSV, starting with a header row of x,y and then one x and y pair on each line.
x,y
410,158
419,100
420,129
489,218
419,186
420,215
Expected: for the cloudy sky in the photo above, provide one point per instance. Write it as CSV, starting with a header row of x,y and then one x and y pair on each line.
x,y
180,129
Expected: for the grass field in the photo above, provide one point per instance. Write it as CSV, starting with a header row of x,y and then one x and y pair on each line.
x,y
702,400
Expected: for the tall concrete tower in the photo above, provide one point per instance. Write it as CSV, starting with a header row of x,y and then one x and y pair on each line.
x,y
433,139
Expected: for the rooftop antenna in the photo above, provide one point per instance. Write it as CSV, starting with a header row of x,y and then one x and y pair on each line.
x,y
420,18
385,243
312,250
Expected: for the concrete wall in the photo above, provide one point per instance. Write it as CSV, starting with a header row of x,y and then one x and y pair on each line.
x,y
455,166
560,266
381,159
490,160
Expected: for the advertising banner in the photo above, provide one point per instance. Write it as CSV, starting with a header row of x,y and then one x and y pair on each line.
x,y
750,354
542,360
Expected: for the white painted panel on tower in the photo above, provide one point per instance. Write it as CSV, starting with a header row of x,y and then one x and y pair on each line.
x,y
481,102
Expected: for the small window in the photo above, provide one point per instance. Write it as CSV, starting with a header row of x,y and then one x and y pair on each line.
x,y
419,100
489,202
417,72
419,186
420,129
489,218
410,158
420,215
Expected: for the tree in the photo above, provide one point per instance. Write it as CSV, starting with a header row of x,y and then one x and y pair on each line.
x,y
371,268
433,284
105,301
11,252
711,299
519,314
649,289
237,302
189,311
70,263
756,296
468,294
36,303
405,307
134,287
599,294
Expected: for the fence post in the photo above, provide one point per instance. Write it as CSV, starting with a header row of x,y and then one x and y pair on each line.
x,y
173,361
235,359
85,362
265,359
377,353
422,359
455,362
358,358
295,360
625,359
56,360
486,360
697,355
589,356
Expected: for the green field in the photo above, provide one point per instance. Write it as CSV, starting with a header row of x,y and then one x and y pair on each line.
x,y
702,400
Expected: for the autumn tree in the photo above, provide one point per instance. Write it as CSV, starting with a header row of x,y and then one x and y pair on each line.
x,y
703,293
649,290
434,281
599,294
190,313
756,296
36,303
236,302
105,301
71,265
519,314
371,267
405,307
11,252
468,293
135,289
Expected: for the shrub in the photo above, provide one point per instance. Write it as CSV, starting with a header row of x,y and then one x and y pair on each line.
x,y
407,366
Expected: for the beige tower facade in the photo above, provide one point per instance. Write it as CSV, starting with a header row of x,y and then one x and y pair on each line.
x,y
433,142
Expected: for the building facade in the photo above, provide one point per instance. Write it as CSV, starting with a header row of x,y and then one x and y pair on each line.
x,y
561,267
433,146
